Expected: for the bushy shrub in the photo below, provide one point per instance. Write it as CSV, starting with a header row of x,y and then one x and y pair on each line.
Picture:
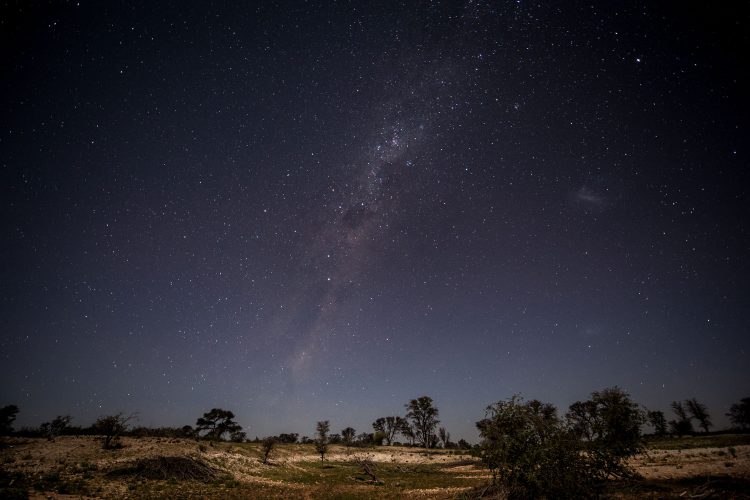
x,y
531,456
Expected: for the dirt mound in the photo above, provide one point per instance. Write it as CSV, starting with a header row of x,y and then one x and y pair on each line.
x,y
178,468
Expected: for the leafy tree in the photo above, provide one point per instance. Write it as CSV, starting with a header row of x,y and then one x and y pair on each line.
x,y
533,456
445,437
267,447
321,442
56,427
238,436
7,417
582,417
658,421
389,426
408,432
463,444
365,439
739,414
347,435
424,419
546,411
682,425
216,423
112,427
288,438
699,412
610,423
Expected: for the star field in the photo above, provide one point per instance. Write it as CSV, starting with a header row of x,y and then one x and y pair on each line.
x,y
304,211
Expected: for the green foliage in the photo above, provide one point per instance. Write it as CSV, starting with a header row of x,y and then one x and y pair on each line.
x,y
216,423
739,414
424,419
7,417
533,456
610,424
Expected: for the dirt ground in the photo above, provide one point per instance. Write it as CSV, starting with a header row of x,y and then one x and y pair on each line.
x,y
77,467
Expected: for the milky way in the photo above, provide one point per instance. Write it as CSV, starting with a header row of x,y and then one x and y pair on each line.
x,y
320,211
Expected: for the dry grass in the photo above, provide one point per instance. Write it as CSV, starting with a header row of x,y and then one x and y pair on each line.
x,y
181,468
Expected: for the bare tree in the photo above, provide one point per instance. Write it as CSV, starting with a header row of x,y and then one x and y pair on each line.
x,y
424,418
112,427
321,442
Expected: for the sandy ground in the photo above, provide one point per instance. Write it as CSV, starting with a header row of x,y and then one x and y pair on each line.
x,y
35,457
675,464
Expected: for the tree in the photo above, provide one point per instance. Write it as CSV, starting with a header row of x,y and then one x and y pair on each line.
x,y
389,426
216,423
56,427
739,414
7,417
321,441
699,412
347,435
610,423
111,427
581,417
238,436
444,436
267,447
288,438
683,425
546,411
533,456
424,419
408,432
463,444
657,420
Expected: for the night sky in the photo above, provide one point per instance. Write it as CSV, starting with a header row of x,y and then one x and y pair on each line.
x,y
301,211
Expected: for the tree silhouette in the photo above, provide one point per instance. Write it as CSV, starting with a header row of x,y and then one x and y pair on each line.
x,y
112,427
699,412
611,423
268,445
347,435
216,423
7,417
424,419
321,441
389,427
444,436
739,414
658,421
56,427
683,425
